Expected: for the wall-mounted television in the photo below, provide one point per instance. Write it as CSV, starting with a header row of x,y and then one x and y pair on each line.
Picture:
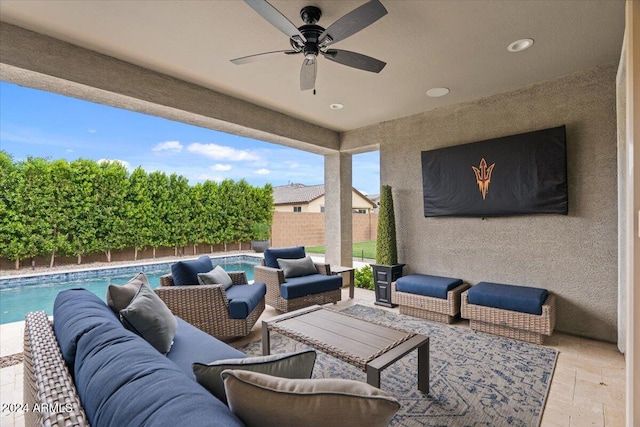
x,y
513,175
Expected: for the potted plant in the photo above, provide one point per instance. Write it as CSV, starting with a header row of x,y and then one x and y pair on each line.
x,y
260,236
386,270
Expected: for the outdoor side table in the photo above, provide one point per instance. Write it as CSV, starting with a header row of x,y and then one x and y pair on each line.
x,y
351,273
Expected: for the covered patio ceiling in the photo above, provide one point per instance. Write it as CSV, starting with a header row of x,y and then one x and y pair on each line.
x,y
461,45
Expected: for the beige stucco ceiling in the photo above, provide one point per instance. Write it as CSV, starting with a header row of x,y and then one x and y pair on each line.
x,y
461,45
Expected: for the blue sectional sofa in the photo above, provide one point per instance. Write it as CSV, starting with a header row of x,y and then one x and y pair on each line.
x,y
85,368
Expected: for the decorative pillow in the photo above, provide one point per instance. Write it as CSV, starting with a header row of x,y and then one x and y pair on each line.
x,y
288,365
297,267
119,296
217,276
186,272
266,401
148,316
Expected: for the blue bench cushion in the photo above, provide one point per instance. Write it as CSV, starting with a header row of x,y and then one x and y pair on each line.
x,y
429,286
271,255
508,297
191,345
124,381
296,287
244,298
186,272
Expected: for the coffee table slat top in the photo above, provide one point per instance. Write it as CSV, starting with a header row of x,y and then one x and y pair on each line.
x,y
327,330
356,347
361,325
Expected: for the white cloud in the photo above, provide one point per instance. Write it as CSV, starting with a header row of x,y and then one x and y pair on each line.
x,y
219,152
262,172
69,150
124,163
221,168
92,130
172,146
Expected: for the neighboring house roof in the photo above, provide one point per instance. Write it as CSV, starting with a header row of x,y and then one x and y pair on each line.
x,y
300,193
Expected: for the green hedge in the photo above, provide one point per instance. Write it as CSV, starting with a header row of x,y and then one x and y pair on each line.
x,y
82,207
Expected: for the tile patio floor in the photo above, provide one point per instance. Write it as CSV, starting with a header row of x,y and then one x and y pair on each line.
x,y
587,388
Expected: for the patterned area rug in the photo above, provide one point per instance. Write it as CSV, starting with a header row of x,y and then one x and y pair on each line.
x,y
476,379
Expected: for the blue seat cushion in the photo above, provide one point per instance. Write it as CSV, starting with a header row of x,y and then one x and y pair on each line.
x,y
75,312
296,287
191,345
244,298
271,255
429,286
124,381
186,272
508,297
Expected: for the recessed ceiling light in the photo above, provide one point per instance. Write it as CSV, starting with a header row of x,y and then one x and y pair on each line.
x,y
437,92
336,106
520,45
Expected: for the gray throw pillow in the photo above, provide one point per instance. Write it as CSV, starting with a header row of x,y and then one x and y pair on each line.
x,y
217,276
266,401
297,267
148,316
288,365
119,296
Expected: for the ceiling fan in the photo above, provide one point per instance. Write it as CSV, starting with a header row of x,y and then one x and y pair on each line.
x,y
312,40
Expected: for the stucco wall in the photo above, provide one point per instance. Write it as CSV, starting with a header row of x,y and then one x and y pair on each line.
x,y
574,256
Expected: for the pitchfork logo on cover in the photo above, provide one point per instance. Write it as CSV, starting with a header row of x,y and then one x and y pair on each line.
x,y
483,176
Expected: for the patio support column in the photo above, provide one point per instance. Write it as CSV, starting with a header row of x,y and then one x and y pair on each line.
x,y
338,220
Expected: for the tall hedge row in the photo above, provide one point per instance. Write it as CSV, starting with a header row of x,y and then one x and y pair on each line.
x,y
50,208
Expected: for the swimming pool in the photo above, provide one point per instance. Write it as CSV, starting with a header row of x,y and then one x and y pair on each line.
x,y
19,296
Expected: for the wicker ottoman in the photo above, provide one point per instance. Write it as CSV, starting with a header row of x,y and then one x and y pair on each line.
x,y
428,297
513,323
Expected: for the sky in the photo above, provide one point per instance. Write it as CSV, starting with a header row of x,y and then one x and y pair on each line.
x,y
43,124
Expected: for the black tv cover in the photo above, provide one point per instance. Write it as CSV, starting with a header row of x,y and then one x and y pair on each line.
x,y
513,175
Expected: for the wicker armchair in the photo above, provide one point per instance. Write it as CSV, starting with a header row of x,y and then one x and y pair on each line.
x,y
274,277
206,306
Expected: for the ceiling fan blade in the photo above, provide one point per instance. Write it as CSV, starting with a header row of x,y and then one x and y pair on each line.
x,y
308,74
261,56
355,60
276,18
353,22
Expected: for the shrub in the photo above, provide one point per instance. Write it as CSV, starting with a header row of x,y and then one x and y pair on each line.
x,y
363,277
386,248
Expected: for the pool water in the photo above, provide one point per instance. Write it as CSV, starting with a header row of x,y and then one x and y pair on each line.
x,y
16,301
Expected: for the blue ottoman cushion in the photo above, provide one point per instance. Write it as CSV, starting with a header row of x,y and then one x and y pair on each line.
x,y
244,298
429,286
271,255
508,297
296,287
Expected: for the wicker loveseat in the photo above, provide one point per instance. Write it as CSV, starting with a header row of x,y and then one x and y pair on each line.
x,y
287,294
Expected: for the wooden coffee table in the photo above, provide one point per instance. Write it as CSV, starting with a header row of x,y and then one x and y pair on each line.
x,y
368,346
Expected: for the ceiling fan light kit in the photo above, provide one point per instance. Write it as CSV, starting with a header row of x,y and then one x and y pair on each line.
x,y
312,40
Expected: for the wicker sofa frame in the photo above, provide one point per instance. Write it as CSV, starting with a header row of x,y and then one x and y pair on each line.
x,y
47,381
511,324
429,308
206,306
274,277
